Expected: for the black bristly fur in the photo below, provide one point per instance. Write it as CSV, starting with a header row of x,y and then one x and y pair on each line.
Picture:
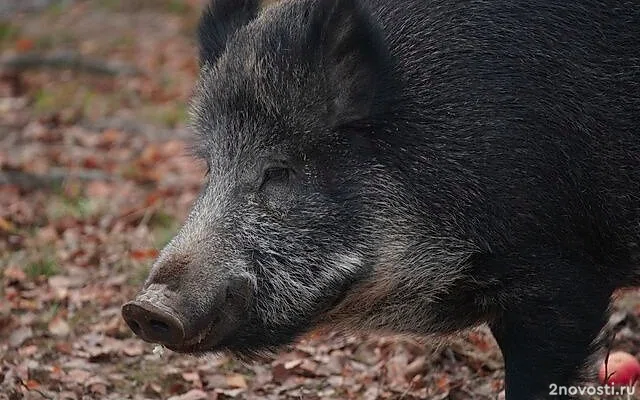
x,y
353,56
219,21
452,164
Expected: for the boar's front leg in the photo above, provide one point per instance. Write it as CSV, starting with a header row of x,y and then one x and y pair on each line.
x,y
552,311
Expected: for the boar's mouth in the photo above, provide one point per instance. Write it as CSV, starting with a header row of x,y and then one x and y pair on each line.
x,y
187,324
201,341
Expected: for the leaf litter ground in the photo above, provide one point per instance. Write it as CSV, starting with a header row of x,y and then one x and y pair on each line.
x,y
95,179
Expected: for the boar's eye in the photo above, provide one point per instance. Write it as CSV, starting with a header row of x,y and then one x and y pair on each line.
x,y
275,176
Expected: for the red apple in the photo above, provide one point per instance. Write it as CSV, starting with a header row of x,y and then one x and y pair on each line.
x,y
622,369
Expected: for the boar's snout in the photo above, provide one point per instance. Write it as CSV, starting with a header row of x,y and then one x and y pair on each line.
x,y
193,316
153,324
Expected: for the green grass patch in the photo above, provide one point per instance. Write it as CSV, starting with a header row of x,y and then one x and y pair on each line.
x,y
77,207
163,227
139,274
45,101
124,41
45,42
57,8
55,98
168,116
77,95
111,5
8,32
162,236
51,312
178,7
161,219
172,6
44,267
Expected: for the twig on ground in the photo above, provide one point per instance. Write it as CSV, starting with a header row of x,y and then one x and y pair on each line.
x,y
67,60
40,392
134,126
54,178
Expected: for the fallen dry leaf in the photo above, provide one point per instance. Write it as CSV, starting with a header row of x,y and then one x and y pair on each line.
x,y
133,348
6,225
191,377
24,44
20,336
141,254
194,394
14,274
78,375
97,385
236,381
28,351
59,327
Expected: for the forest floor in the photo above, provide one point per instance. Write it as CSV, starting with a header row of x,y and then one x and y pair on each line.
x,y
95,178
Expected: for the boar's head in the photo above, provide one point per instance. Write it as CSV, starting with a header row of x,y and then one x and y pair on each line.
x,y
296,202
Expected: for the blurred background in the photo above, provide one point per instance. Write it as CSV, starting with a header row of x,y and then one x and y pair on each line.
x,y
95,179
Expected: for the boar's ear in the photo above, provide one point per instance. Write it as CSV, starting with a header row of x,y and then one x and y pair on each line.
x,y
219,21
355,57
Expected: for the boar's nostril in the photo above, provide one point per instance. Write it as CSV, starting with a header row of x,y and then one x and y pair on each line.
x,y
159,326
153,324
135,327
